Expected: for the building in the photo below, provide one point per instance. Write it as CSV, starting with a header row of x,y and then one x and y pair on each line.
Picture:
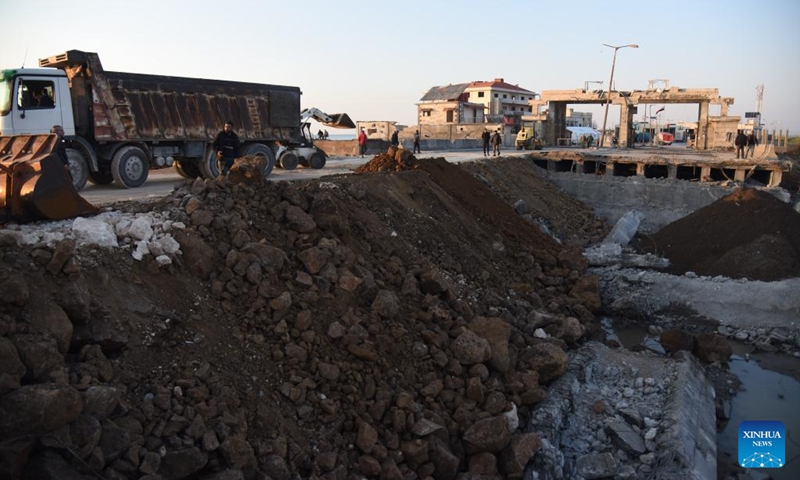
x,y
474,103
500,100
579,119
379,129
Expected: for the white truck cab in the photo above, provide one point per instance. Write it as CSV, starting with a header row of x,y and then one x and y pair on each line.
x,y
32,100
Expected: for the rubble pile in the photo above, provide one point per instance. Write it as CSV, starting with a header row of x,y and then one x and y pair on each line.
x,y
394,160
387,325
748,234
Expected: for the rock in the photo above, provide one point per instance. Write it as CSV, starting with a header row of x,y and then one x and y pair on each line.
x,y
114,441
271,259
369,466
328,371
14,288
50,318
470,349
110,334
710,347
38,409
347,281
178,464
386,304
497,332
61,254
598,465
676,340
76,300
568,329
548,360
445,462
150,463
47,464
14,455
11,368
587,291
483,463
626,438
85,433
299,220
313,259
366,437
94,232
100,401
327,215
39,354
389,470
518,453
415,452
487,435
237,453
425,427
276,467
198,256
432,282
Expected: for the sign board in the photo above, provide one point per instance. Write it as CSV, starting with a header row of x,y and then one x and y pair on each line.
x,y
752,114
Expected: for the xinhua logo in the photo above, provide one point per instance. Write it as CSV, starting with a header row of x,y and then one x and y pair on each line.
x,y
762,444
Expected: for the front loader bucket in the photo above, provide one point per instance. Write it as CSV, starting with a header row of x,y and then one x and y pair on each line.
x,y
340,120
33,182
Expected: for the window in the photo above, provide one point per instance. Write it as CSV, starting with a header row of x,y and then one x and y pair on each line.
x,y
513,97
36,94
505,96
495,95
449,116
480,94
426,113
522,98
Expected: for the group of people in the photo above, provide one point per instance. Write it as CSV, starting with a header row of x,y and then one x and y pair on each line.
x,y
495,140
322,135
394,140
742,140
586,141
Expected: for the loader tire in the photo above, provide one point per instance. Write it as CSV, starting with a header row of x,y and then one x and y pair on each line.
x,y
259,149
78,168
317,161
187,169
130,167
288,161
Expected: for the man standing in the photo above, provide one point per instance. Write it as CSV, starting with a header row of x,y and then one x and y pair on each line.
x,y
416,143
752,141
740,142
485,136
395,141
226,145
61,148
362,142
496,141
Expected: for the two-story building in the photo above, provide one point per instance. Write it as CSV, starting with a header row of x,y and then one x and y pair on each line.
x,y
500,100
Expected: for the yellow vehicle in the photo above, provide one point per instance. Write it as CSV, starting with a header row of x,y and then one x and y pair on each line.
x,y
526,138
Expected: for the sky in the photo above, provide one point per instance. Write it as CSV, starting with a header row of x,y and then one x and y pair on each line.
x,y
375,60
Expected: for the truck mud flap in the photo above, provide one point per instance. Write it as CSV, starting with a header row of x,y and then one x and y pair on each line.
x,y
33,182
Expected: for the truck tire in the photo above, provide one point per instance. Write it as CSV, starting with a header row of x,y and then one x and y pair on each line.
x,y
288,161
209,168
187,169
78,168
130,167
317,161
259,149
101,177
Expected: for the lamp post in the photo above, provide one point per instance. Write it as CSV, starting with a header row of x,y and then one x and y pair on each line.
x,y
610,82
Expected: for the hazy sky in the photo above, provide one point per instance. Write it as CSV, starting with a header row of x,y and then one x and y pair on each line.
x,y
375,60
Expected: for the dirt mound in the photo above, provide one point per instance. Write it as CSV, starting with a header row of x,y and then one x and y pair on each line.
x,y
395,160
748,234
376,325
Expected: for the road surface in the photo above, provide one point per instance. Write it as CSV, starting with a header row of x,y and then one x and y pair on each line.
x,y
161,182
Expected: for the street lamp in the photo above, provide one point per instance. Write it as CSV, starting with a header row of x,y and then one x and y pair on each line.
x,y
610,82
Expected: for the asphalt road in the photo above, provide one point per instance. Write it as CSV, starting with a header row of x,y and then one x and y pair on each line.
x,y
161,182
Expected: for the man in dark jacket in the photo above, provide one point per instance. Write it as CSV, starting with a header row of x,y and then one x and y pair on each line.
x,y
395,141
226,146
61,147
496,141
740,142
752,141
486,136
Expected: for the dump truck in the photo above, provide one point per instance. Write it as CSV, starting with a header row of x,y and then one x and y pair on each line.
x,y
122,125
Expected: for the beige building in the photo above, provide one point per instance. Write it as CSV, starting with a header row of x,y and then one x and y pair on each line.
x,y
579,119
474,103
379,129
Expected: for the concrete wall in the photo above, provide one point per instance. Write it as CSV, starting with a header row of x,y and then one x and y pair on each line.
x,y
349,148
454,135
662,201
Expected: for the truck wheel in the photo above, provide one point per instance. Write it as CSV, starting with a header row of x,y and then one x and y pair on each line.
x,y
317,160
78,168
288,161
209,168
130,167
259,149
187,169
101,177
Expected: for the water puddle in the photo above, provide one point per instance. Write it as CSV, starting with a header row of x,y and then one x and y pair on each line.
x,y
764,394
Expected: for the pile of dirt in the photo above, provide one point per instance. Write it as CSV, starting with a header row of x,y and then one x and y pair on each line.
x,y
748,234
394,160
386,325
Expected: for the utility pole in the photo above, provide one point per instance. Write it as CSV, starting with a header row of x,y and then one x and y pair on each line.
x,y
610,82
